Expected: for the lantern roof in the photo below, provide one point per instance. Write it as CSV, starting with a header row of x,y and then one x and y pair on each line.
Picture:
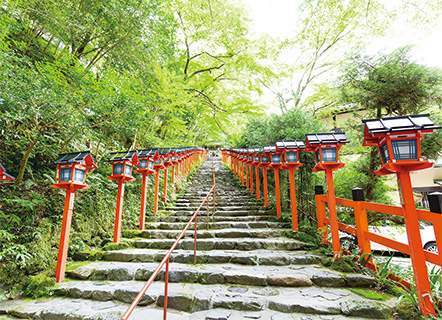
x,y
398,124
76,157
146,153
258,150
290,145
125,155
3,173
251,151
324,138
269,149
164,151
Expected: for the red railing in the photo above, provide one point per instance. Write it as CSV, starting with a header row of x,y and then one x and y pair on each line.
x,y
166,258
364,236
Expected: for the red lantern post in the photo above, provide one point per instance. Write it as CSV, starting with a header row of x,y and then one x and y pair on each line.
x,y
250,154
165,155
399,142
157,166
145,167
122,166
264,162
276,163
290,154
72,168
326,148
255,163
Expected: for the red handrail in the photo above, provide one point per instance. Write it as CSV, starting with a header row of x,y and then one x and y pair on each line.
x,y
167,256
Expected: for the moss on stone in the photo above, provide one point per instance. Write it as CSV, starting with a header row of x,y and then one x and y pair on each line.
x,y
132,233
407,311
370,294
117,246
343,265
76,264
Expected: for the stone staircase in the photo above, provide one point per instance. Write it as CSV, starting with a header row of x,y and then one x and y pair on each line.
x,y
246,269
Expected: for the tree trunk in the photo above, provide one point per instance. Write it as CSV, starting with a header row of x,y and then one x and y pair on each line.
x,y
25,158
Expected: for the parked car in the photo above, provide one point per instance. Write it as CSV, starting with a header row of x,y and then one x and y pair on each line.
x,y
395,232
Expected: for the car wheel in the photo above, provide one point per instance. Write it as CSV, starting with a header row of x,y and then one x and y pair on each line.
x,y
431,246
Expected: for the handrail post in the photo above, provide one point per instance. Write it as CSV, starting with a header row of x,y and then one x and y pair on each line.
x,y
320,213
166,285
194,240
207,213
361,221
214,187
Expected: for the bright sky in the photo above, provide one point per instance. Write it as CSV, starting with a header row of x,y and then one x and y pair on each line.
x,y
277,18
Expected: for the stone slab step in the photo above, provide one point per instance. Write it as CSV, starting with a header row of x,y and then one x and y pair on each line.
x,y
174,218
223,233
252,258
270,276
197,297
213,225
67,309
236,213
218,208
245,244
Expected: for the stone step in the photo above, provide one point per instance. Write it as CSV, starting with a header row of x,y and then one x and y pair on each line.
x,y
203,212
189,297
67,309
212,225
175,218
246,244
247,204
280,276
223,233
251,257
230,207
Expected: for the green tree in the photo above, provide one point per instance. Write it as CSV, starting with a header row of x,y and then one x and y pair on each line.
x,y
390,85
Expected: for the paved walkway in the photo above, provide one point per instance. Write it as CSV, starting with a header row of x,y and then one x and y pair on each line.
x,y
246,269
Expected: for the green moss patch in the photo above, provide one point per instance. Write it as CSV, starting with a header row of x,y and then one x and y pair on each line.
x,y
370,294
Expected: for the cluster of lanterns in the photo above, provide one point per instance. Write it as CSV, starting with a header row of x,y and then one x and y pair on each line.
x,y
72,169
398,140
284,155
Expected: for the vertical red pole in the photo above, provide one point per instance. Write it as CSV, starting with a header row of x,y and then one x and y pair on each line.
x,y
277,193
64,236
251,179
247,175
361,221
157,185
257,183
242,172
165,185
143,201
293,199
266,193
166,287
320,213
333,215
415,243
119,211
173,180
